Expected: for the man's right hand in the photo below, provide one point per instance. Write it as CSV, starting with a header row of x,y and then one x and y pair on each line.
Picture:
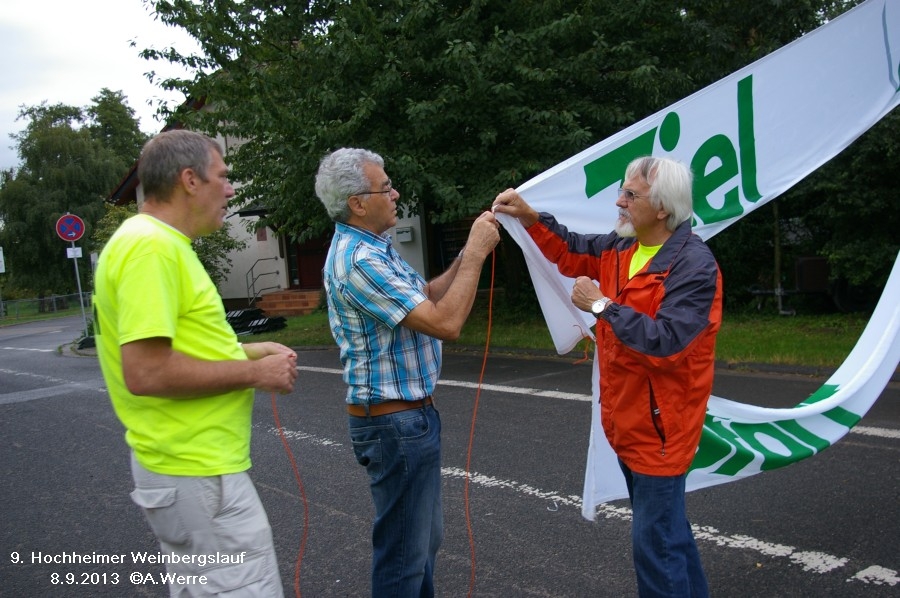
x,y
484,235
276,373
152,368
510,202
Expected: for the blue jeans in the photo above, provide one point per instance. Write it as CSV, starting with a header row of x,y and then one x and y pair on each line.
x,y
402,455
666,559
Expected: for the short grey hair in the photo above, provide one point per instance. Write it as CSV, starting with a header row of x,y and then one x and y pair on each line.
x,y
341,174
164,157
671,186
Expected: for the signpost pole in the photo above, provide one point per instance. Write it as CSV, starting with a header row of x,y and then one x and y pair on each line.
x,y
80,296
2,270
70,228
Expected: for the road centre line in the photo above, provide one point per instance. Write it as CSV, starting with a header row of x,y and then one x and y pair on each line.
x,y
534,392
55,387
37,393
518,390
27,349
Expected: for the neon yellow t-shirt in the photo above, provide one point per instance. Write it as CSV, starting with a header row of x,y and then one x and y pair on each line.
x,y
149,283
640,258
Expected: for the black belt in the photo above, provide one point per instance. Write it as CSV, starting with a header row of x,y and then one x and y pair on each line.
x,y
387,407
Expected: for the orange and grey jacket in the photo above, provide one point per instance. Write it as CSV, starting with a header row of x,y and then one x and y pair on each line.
x,y
656,342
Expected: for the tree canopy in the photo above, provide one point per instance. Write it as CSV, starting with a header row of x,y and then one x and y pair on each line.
x,y
70,159
462,98
212,250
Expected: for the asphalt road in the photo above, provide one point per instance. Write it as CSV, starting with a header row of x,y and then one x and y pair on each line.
x,y
827,526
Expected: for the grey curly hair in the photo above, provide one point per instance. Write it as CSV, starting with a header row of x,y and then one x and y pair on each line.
x,y
341,174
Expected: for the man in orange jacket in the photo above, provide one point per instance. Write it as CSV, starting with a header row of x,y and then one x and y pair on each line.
x,y
658,310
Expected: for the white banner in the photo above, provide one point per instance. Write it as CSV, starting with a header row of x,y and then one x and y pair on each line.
x,y
748,138
742,440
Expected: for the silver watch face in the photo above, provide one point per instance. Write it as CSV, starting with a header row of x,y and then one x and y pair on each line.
x,y
597,307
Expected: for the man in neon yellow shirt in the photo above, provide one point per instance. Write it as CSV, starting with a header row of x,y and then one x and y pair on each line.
x,y
180,382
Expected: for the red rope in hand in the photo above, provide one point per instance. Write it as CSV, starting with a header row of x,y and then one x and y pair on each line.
x,y
290,454
487,343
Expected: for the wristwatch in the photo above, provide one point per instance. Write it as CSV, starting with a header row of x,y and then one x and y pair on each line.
x,y
599,305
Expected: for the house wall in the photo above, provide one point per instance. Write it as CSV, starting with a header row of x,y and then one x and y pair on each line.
x,y
258,268
261,267
269,268
408,238
264,256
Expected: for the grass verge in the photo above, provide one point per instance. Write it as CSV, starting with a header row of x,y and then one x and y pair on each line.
x,y
815,341
821,341
8,320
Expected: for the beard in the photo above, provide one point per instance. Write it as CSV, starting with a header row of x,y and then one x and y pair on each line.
x,y
624,226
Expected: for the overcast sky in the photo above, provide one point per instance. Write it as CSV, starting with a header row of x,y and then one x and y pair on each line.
x,y
66,51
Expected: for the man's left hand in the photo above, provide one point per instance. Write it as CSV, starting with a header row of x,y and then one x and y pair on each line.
x,y
584,293
256,351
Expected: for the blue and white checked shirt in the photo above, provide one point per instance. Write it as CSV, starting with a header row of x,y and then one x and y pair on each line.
x,y
370,289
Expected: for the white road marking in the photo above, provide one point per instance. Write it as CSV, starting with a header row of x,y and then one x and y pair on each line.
x,y
810,561
878,576
58,387
27,349
879,432
296,435
571,396
533,392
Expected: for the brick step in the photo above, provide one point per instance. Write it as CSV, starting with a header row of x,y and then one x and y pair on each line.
x,y
289,303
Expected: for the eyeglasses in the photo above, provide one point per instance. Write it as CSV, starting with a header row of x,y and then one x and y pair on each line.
x,y
388,190
629,194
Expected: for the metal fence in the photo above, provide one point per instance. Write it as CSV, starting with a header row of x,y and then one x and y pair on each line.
x,y
51,305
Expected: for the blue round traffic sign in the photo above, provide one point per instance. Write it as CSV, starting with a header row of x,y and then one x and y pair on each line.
x,y
70,227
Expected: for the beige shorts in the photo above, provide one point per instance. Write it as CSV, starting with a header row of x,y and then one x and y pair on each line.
x,y
213,533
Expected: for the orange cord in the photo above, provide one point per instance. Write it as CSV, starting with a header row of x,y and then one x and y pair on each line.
x,y
290,455
588,341
293,461
487,343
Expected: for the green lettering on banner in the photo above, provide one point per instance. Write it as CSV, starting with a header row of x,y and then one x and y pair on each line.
x,y
772,460
610,168
843,417
747,139
716,147
670,131
793,428
825,391
719,151
716,444
736,445
731,164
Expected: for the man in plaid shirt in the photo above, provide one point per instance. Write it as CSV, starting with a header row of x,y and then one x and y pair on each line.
x,y
389,323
